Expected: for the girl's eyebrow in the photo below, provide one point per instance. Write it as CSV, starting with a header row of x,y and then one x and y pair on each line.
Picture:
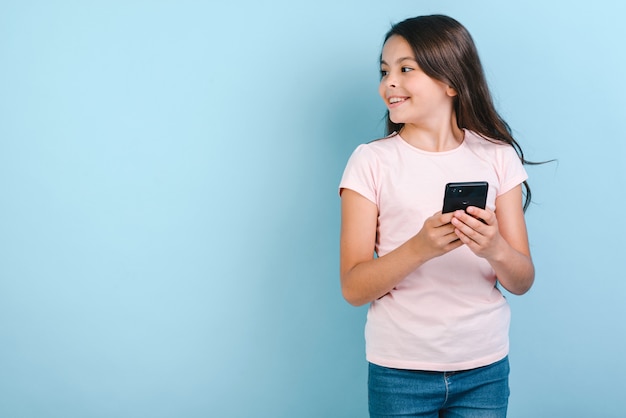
x,y
399,60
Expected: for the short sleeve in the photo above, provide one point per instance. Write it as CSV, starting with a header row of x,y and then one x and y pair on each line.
x,y
510,169
359,174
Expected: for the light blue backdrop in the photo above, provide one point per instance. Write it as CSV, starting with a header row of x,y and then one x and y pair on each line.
x,y
169,215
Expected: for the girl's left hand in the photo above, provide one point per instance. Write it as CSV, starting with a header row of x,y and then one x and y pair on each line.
x,y
482,237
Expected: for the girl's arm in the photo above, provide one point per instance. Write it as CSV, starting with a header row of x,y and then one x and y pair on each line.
x,y
365,278
502,240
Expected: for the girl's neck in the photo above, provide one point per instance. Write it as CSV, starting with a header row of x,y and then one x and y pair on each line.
x,y
433,138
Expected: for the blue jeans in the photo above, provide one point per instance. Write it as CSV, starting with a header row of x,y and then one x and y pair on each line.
x,y
476,393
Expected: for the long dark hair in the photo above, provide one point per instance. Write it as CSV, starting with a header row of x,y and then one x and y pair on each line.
x,y
445,51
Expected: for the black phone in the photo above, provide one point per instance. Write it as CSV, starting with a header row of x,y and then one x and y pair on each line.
x,y
464,194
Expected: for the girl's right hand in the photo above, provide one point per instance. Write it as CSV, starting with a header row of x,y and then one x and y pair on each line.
x,y
365,278
436,237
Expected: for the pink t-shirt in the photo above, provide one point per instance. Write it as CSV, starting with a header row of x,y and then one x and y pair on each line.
x,y
446,315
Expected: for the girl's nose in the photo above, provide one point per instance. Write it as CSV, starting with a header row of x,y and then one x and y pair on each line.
x,y
391,81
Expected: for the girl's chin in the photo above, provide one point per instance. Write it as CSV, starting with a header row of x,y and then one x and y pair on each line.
x,y
395,118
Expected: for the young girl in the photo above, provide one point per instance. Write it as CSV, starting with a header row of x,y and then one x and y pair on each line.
x,y
437,325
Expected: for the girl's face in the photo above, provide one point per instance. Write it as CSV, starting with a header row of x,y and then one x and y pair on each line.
x,y
411,96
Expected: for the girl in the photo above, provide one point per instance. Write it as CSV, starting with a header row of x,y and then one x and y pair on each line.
x,y
437,325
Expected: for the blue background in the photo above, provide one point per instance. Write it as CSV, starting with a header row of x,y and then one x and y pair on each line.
x,y
169,215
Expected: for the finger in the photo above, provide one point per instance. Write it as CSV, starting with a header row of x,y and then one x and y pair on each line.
x,y
451,239
485,216
469,242
462,237
447,232
442,219
454,244
451,235
471,219
468,232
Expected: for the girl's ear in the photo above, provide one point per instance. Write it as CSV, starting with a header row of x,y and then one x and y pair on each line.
x,y
451,91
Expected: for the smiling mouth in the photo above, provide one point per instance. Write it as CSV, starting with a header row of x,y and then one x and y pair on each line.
x,y
394,100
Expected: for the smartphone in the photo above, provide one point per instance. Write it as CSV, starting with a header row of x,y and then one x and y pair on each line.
x,y
464,194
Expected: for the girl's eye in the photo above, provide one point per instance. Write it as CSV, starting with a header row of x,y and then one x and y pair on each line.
x,y
406,69
383,73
